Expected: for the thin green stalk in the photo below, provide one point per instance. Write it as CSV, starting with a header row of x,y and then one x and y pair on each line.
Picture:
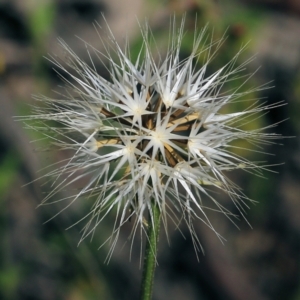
x,y
150,254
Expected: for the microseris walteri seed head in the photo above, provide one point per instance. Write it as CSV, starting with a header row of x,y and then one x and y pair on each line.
x,y
157,129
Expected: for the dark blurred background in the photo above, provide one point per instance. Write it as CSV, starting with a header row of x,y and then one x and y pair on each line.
x,y
42,261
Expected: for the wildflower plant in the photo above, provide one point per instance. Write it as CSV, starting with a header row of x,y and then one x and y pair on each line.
x,y
151,140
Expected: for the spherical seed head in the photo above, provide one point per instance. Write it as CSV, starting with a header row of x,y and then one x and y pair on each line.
x,y
153,131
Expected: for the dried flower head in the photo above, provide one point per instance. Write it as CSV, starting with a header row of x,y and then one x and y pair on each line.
x,y
154,131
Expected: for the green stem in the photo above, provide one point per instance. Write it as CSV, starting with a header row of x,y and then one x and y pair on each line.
x,y
150,253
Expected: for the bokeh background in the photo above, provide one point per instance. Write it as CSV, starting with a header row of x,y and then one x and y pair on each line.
x,y
41,260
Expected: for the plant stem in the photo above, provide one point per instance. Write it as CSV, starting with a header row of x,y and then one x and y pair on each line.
x,y
150,253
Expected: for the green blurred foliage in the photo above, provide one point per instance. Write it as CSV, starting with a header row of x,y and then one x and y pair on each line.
x,y
41,21
10,277
8,171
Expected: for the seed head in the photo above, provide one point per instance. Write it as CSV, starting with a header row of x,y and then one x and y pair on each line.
x,y
158,129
